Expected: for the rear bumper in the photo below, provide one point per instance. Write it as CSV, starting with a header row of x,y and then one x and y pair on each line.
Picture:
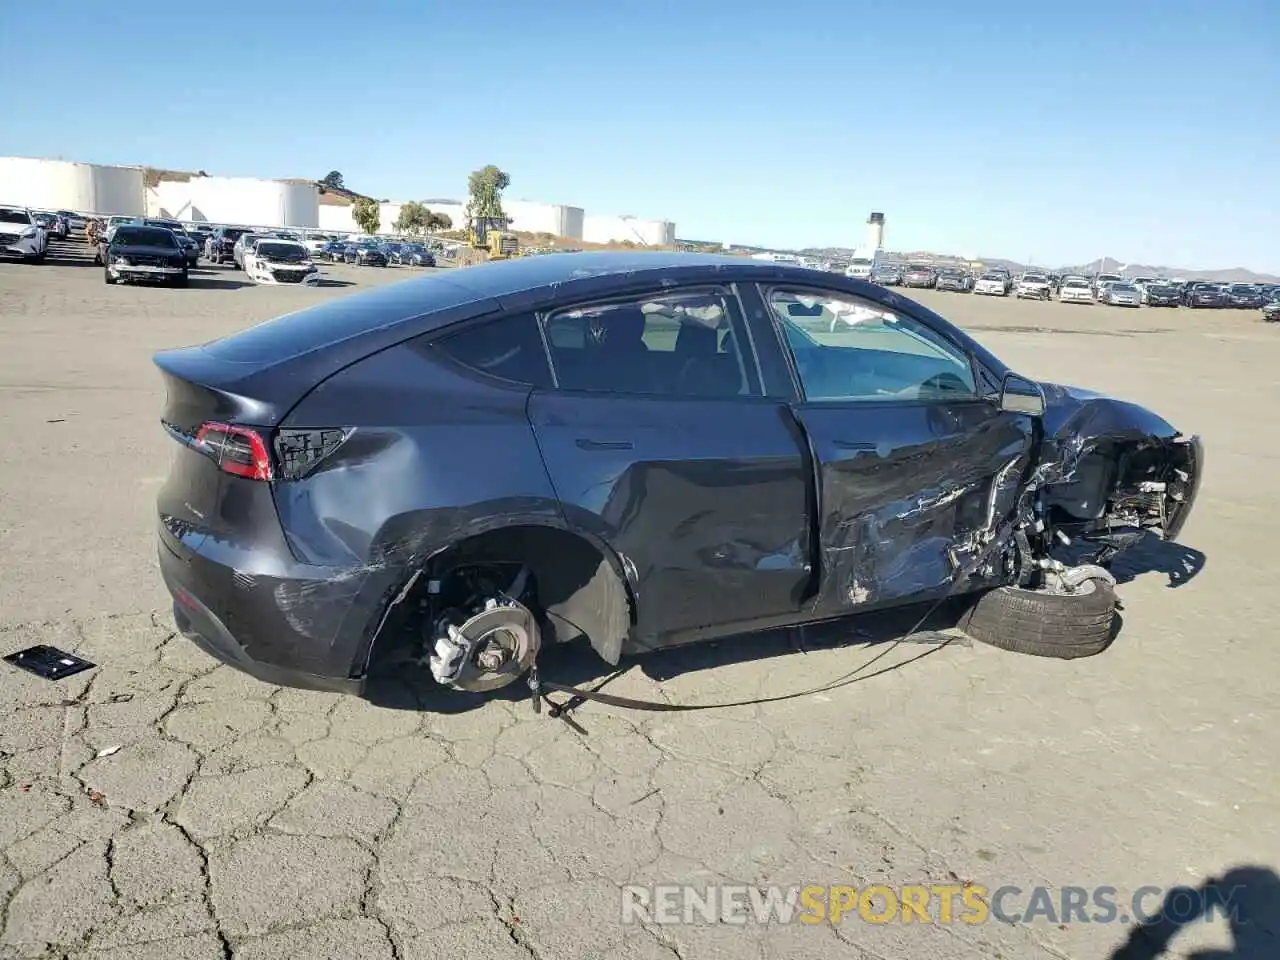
x,y
296,625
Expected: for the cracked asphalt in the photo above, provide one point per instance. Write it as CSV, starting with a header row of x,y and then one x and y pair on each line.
x,y
163,806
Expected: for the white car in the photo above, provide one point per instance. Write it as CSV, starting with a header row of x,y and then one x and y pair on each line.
x,y
280,261
315,242
1034,286
992,285
1075,290
20,235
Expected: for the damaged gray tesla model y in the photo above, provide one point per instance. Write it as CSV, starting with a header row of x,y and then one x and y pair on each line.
x,y
640,449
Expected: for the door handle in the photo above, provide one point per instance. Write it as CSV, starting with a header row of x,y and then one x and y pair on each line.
x,y
587,444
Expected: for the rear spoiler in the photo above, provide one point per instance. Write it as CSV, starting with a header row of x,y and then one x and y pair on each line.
x,y
201,388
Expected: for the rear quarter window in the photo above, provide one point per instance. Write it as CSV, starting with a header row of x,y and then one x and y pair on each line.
x,y
509,349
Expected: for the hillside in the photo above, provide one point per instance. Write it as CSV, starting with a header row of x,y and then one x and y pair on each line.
x,y
1103,265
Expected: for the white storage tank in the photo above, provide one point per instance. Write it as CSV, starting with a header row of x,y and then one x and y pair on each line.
x,y
240,200
82,187
557,219
336,218
643,233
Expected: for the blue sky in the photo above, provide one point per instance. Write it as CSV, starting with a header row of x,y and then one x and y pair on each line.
x,y
1147,131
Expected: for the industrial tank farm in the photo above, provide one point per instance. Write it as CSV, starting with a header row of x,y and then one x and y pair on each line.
x,y
61,185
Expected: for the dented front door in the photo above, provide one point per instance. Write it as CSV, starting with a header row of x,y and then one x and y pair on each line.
x,y
913,463
901,486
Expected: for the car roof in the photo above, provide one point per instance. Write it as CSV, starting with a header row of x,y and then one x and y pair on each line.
x,y
318,340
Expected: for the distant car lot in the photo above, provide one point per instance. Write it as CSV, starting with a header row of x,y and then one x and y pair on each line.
x,y
279,822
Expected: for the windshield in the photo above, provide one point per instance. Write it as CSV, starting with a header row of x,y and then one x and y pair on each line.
x,y
1075,283
1035,278
144,236
413,248
1107,278
1123,288
281,251
1242,288
1162,290
234,234
998,278
14,216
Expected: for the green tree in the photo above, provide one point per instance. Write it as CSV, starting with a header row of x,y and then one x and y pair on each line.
x,y
485,188
333,179
366,215
412,219
439,221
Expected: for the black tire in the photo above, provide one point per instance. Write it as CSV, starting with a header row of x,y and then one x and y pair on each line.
x,y
181,279
1042,624
107,278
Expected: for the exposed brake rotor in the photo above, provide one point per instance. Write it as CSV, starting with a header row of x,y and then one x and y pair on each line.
x,y
488,650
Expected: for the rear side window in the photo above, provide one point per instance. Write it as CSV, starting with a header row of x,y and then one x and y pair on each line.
x,y
510,349
666,344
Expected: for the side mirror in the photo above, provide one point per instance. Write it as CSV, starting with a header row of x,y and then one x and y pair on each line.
x,y
1019,394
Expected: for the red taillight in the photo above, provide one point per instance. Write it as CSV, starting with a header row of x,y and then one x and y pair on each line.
x,y
238,450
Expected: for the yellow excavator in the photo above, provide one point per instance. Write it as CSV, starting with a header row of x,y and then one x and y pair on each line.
x,y
491,234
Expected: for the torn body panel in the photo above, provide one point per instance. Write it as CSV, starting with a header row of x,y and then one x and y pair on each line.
x,y
1107,464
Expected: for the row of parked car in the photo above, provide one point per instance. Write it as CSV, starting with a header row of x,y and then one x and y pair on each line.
x,y
1107,288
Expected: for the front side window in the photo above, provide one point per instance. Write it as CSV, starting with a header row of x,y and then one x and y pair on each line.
x,y
851,349
670,344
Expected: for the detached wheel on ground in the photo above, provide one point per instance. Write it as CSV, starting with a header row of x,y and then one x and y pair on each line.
x,y
1045,623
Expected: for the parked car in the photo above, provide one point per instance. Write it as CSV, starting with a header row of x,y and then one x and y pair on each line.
x,y
190,248
21,235
365,255
244,243
887,274
1161,295
1075,290
643,450
335,251
1032,286
1245,296
1104,278
148,254
75,221
200,233
992,285
316,242
1204,296
412,255
957,281
272,261
919,276
52,224
1271,312
1122,295
221,245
